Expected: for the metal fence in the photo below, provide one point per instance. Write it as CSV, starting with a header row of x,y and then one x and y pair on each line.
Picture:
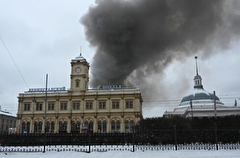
x,y
197,138
130,147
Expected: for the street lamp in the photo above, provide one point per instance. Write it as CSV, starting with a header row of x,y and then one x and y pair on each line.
x,y
133,136
191,108
45,114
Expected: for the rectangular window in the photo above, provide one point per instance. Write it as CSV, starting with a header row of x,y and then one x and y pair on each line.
x,y
77,83
102,105
76,106
129,104
39,107
115,104
50,106
89,105
27,107
63,106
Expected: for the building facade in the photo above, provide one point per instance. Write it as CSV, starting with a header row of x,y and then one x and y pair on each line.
x,y
111,108
7,122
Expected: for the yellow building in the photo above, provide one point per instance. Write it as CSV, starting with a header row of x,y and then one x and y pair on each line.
x,y
111,108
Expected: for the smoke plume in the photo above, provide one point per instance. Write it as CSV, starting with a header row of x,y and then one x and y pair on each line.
x,y
135,39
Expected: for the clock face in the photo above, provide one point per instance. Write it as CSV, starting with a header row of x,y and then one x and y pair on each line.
x,y
78,69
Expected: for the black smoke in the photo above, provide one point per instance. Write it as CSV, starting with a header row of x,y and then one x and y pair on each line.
x,y
137,38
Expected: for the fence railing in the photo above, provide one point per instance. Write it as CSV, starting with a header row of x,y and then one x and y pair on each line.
x,y
105,148
139,137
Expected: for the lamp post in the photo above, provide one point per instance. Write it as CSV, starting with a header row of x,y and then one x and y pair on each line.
x,y
133,137
175,136
89,139
215,124
45,106
191,108
215,107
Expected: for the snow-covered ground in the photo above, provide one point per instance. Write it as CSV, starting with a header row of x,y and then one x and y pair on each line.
x,y
126,154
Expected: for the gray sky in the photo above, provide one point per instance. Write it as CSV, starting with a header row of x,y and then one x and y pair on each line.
x,y
43,36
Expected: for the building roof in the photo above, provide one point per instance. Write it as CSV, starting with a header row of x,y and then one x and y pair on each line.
x,y
7,113
199,94
80,57
200,97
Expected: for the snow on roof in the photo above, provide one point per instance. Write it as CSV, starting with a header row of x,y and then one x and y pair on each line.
x,y
6,113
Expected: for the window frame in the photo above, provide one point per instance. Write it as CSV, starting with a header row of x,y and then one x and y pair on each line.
x,y
89,105
116,126
77,83
102,104
51,106
115,104
39,106
129,104
63,105
76,105
26,107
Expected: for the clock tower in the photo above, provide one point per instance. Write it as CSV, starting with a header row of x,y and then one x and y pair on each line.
x,y
79,74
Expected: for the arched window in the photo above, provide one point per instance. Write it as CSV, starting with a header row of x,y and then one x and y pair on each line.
x,y
78,126
24,128
115,126
48,127
84,127
60,126
28,127
87,126
102,126
63,127
38,127
127,129
91,126
99,126
118,125
129,126
52,128
73,126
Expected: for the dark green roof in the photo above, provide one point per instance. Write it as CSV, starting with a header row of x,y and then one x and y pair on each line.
x,y
201,95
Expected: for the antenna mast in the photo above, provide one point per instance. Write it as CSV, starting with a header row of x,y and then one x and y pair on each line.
x,y
80,50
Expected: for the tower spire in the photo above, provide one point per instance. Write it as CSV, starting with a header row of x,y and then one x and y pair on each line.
x,y
196,65
197,79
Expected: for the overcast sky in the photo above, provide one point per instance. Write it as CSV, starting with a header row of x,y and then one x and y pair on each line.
x,y
43,36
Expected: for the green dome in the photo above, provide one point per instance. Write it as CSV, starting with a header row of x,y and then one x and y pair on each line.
x,y
200,97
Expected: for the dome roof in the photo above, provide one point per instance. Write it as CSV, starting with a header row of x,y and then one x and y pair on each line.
x,y
200,97
199,94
